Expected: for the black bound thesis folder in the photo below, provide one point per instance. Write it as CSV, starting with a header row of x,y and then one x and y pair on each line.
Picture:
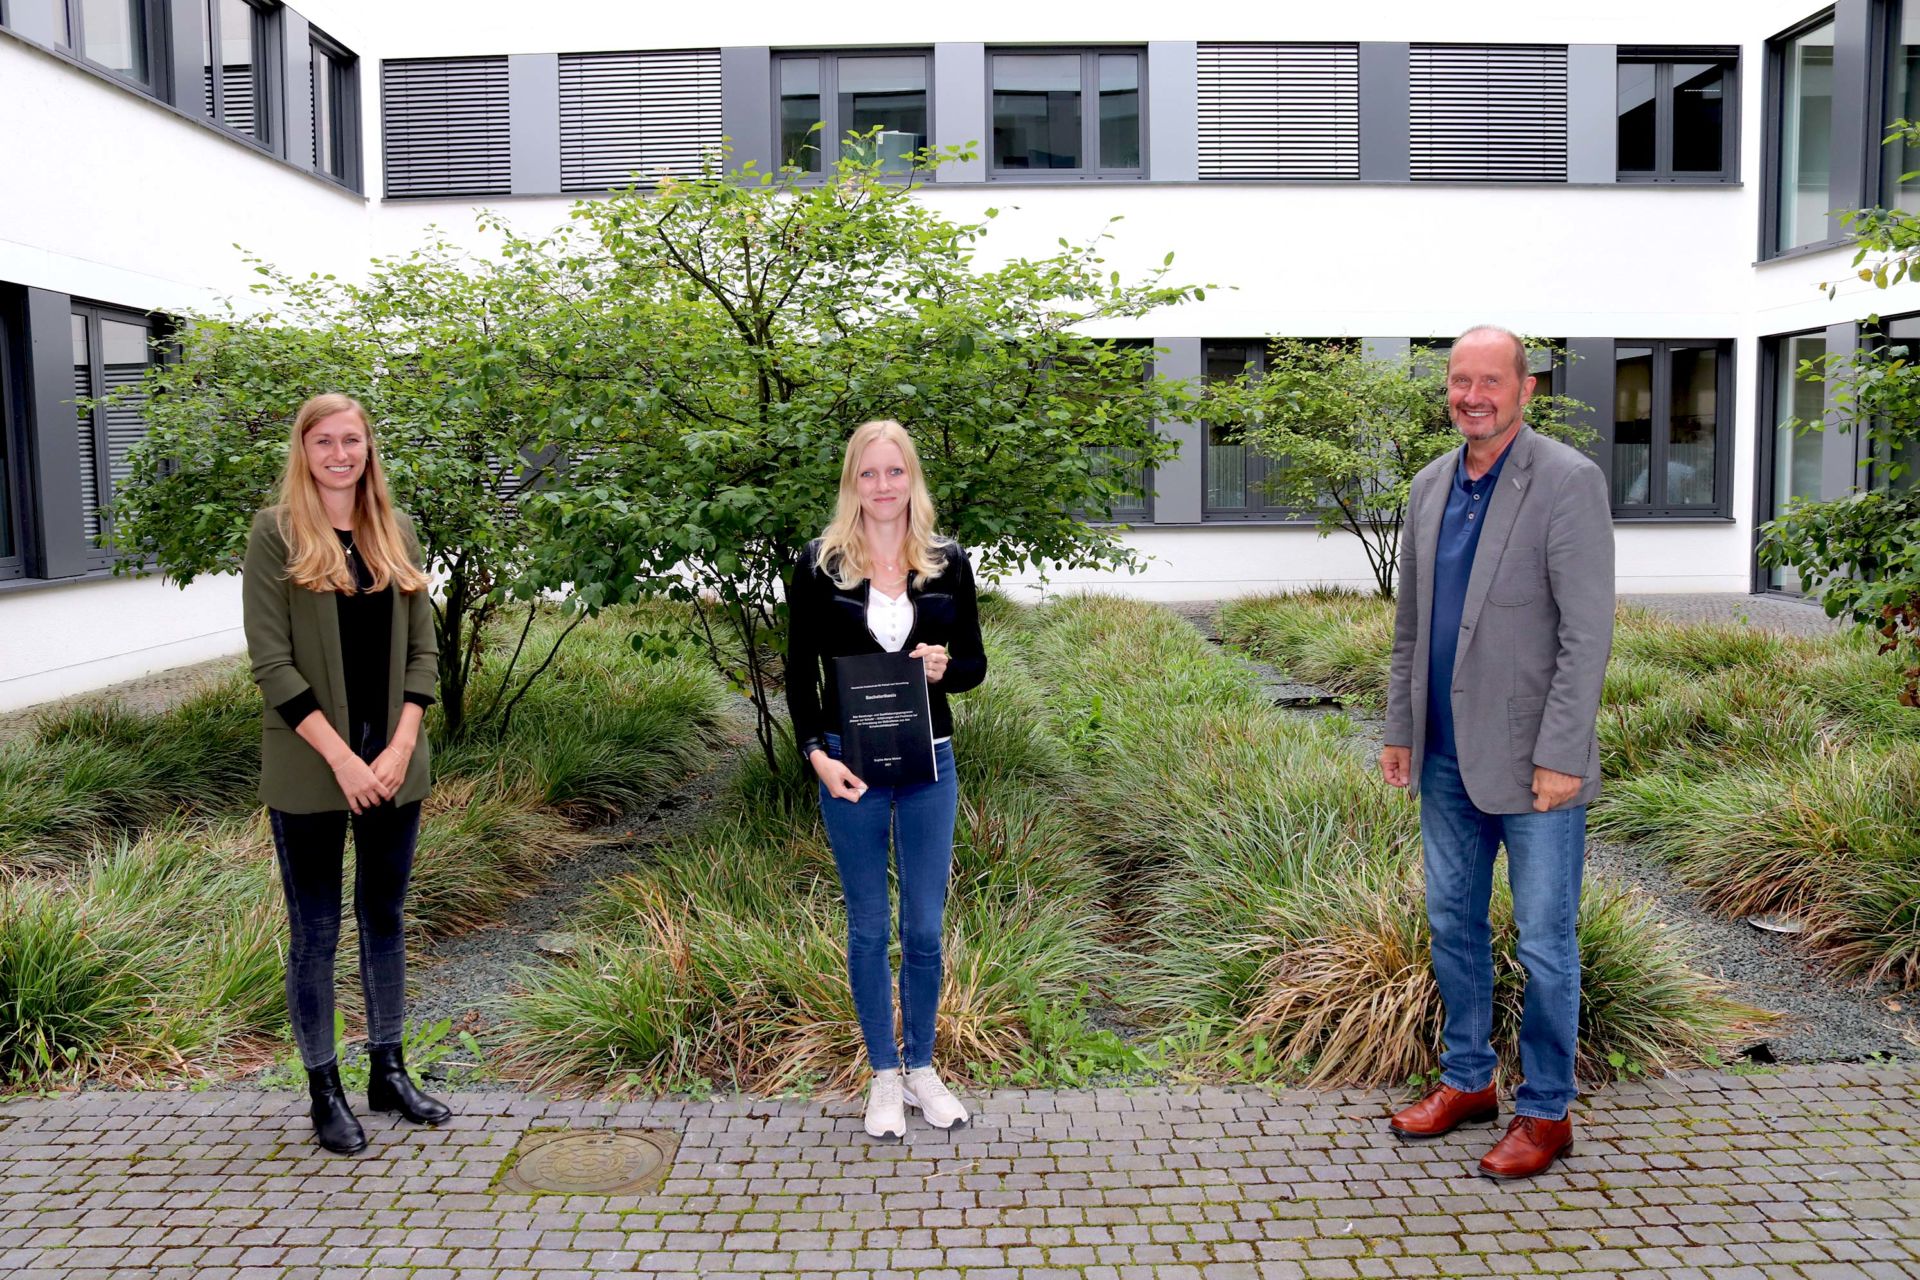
x,y
886,721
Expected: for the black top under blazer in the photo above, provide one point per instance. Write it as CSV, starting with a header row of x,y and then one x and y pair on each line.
x,y
825,622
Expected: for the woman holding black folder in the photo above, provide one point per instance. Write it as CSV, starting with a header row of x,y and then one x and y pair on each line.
x,y
880,580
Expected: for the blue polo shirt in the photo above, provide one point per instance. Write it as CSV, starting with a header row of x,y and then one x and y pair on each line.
x,y
1460,525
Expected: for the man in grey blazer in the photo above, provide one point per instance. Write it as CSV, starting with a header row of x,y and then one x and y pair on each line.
x,y
1500,644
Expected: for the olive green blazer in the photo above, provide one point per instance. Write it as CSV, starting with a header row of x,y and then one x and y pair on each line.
x,y
293,641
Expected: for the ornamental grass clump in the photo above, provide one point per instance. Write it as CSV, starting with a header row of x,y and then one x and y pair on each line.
x,y
1828,838
1339,640
146,957
1281,879
88,773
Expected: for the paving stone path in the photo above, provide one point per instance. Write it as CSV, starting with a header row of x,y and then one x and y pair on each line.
x,y
1810,1174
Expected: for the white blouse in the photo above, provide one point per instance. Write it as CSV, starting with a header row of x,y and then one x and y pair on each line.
x,y
889,618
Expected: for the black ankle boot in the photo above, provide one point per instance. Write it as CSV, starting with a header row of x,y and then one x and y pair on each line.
x,y
390,1088
333,1124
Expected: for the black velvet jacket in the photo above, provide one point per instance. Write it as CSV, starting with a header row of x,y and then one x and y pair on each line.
x,y
824,623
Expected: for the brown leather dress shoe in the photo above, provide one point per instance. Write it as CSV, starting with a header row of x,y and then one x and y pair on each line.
x,y
1444,1110
1531,1146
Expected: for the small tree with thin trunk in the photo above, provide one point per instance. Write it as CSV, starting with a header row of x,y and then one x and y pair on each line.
x,y
438,346
732,332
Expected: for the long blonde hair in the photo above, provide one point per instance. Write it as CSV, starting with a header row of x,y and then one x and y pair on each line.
x,y
315,558
843,547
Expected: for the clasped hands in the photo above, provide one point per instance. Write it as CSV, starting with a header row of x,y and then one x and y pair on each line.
x,y
366,785
839,779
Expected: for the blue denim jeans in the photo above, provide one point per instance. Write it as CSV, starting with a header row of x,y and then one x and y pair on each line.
x,y
1546,855
917,821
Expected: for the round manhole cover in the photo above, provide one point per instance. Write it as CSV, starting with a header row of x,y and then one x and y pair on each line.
x,y
607,1162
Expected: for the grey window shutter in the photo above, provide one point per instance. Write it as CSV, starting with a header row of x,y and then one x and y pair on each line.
x,y
89,455
126,422
1279,111
649,112
1487,113
446,128
237,97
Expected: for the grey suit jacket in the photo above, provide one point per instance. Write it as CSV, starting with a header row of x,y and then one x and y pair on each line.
x,y
1534,635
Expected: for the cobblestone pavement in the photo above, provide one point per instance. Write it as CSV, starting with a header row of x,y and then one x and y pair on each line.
x,y
1812,1174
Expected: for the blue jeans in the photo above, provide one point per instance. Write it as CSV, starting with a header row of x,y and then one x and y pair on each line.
x,y
918,821
1546,854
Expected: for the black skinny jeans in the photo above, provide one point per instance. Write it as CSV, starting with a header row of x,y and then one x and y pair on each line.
x,y
310,848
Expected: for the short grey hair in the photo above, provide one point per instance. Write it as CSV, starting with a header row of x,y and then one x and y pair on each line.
x,y
1519,346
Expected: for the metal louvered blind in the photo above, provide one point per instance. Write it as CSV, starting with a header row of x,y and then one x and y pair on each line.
x,y
445,127
238,101
1487,113
237,97
126,420
652,113
1279,110
89,455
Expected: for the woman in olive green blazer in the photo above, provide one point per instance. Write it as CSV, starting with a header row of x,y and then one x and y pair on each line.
x,y
340,633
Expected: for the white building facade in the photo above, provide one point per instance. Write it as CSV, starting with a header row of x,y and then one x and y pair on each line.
x,y
1649,184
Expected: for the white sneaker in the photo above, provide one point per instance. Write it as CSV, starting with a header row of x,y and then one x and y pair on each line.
x,y
925,1093
886,1117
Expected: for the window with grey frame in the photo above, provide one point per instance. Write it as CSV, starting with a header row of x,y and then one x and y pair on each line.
x,y
1238,477
1666,457
237,44
111,351
125,37
1800,111
827,105
1042,124
12,557
1676,119
1789,459
336,111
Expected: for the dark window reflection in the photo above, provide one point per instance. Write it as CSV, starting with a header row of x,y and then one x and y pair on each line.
x,y
1699,96
1632,426
1119,111
1036,111
799,112
1637,112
